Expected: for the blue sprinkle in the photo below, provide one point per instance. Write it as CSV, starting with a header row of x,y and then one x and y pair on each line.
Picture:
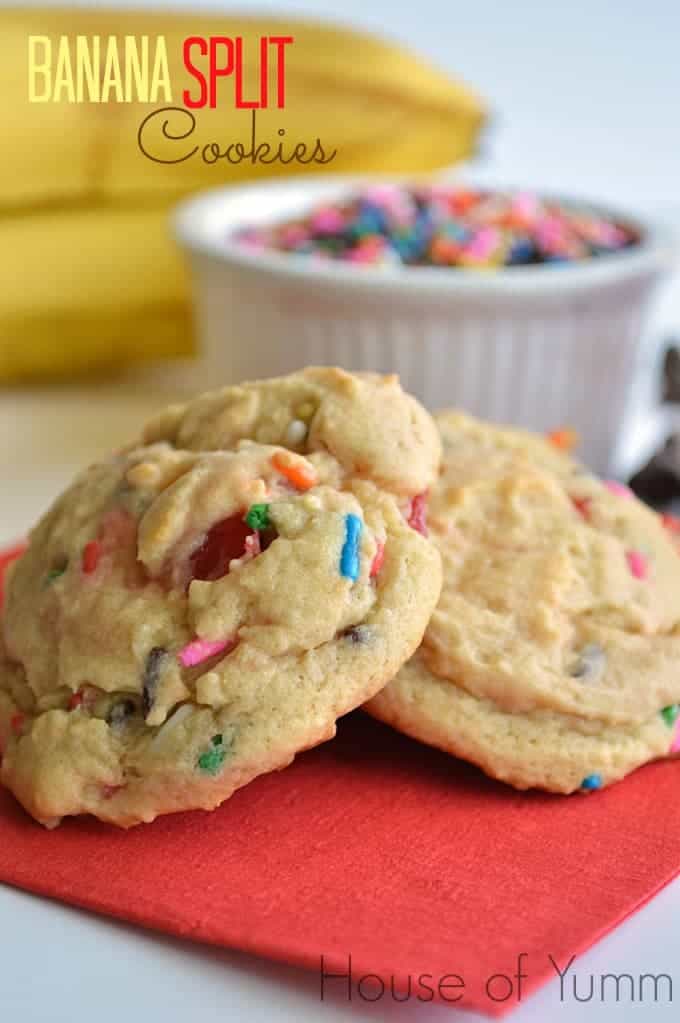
x,y
592,782
522,251
349,558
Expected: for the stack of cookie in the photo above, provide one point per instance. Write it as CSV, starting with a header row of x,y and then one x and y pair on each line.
x,y
205,604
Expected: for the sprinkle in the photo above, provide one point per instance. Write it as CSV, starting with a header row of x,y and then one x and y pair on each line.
x,y
327,220
212,760
54,574
258,516
299,474
417,513
483,244
296,432
620,489
91,555
592,782
582,506
670,714
637,564
565,439
151,677
441,225
378,559
591,661
17,723
200,650
76,700
349,557
670,522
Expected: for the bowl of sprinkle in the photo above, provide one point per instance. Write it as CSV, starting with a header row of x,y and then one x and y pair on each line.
x,y
517,307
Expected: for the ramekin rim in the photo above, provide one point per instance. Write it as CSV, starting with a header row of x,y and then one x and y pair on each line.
x,y
648,257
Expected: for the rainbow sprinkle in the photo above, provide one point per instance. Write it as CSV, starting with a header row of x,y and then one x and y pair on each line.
x,y
258,516
637,564
92,552
592,782
620,489
670,714
350,564
443,225
212,760
201,650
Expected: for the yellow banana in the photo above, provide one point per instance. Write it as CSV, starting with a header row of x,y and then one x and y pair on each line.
x,y
86,289
74,183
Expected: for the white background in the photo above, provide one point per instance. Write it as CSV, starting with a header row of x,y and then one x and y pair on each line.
x,y
586,98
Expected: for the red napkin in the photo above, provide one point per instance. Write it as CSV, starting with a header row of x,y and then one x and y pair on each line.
x,y
376,848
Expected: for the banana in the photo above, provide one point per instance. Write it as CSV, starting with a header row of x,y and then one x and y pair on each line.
x,y
87,286
89,289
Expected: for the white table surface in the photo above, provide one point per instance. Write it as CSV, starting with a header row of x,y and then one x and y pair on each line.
x,y
586,95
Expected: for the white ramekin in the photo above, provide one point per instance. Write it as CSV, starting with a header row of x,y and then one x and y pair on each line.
x,y
540,347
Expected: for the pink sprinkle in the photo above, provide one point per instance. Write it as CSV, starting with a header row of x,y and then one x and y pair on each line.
x,y
292,235
675,747
328,221
484,243
384,195
200,650
618,488
637,563
367,253
525,206
550,234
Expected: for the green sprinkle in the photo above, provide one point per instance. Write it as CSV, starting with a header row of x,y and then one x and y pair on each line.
x,y
258,516
670,714
54,574
212,760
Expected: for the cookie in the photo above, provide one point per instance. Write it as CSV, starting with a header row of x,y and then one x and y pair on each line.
x,y
551,659
196,610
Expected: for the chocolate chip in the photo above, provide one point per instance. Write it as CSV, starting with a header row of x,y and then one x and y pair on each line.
x,y
671,375
152,674
589,664
658,482
120,712
359,634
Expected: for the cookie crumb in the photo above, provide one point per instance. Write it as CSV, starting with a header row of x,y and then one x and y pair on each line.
x,y
144,474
